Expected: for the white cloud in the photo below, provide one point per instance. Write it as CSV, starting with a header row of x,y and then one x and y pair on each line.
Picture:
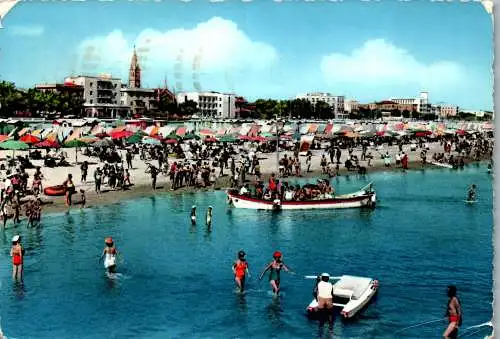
x,y
380,65
26,30
212,48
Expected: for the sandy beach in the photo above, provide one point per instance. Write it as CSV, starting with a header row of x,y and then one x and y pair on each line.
x,y
142,181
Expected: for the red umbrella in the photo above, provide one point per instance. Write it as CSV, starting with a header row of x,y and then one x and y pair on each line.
x,y
121,134
3,137
29,139
423,134
460,132
47,144
259,138
171,141
210,140
245,137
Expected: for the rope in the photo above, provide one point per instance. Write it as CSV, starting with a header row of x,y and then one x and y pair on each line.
x,y
468,334
420,324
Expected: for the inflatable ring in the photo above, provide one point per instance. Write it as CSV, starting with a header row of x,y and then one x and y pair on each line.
x,y
55,191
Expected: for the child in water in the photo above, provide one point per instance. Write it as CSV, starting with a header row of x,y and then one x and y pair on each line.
x,y
209,217
109,255
193,215
83,198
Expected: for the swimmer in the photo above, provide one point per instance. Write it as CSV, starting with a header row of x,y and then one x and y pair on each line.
x,y
240,270
453,313
109,255
17,254
193,215
471,195
209,217
274,268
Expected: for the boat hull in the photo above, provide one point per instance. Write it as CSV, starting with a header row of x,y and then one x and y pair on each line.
x,y
354,200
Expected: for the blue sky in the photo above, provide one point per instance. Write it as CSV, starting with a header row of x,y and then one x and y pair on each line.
x,y
365,51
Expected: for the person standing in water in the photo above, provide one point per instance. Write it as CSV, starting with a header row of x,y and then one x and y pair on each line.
x,y
325,298
70,190
17,254
471,195
109,255
209,217
240,270
274,268
193,215
454,314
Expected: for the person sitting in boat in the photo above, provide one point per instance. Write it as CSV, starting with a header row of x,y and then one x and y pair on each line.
x,y
274,268
244,190
289,194
268,194
471,196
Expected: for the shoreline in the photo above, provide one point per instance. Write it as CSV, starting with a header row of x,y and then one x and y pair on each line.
x,y
109,197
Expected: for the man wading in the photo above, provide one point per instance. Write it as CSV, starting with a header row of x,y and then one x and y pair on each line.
x,y
325,298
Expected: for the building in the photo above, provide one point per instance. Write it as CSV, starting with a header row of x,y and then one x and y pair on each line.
x,y
211,104
139,100
446,111
134,73
101,95
351,106
335,101
66,88
422,102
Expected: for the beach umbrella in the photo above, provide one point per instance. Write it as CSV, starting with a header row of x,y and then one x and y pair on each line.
x,y
210,140
47,144
88,139
29,139
151,141
191,136
171,141
134,139
3,137
227,138
13,145
75,143
103,143
172,136
121,134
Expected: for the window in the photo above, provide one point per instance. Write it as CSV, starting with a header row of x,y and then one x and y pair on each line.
x,y
90,92
122,102
91,101
91,84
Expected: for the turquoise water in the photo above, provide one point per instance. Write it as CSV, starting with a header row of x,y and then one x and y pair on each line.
x,y
177,282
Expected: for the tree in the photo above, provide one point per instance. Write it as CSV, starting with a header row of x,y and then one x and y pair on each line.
x,y
322,110
406,114
266,108
188,108
396,113
10,99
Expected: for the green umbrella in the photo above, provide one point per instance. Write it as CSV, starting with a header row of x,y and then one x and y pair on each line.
x,y
190,137
134,139
227,138
75,143
13,145
173,136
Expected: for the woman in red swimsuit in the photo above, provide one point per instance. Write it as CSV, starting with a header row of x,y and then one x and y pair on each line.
x,y
240,270
17,254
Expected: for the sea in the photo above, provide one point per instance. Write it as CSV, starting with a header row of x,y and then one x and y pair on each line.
x,y
175,281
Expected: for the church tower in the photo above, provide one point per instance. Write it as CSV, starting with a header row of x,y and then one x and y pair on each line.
x,y
134,74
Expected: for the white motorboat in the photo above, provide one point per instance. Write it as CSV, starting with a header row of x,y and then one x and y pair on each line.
x,y
350,293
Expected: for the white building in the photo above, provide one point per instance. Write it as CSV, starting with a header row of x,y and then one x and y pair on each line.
x,y
351,106
211,104
335,101
139,100
422,102
101,95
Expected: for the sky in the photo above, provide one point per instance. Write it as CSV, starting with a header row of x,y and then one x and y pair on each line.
x,y
365,51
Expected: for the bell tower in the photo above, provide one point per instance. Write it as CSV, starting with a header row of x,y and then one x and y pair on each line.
x,y
134,74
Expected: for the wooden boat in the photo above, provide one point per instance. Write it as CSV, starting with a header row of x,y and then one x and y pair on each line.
x,y
350,293
365,197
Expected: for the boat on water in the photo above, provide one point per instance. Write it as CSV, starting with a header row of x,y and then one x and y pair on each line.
x,y
440,164
365,197
350,294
